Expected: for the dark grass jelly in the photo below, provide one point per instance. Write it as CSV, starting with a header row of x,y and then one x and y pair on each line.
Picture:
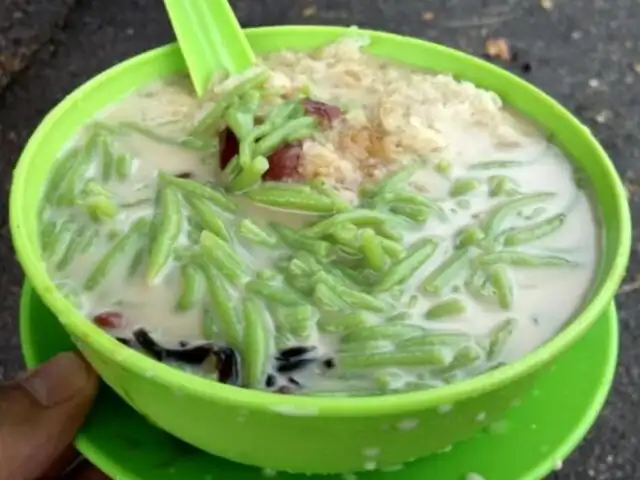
x,y
270,381
287,354
228,365
329,363
184,175
194,354
294,365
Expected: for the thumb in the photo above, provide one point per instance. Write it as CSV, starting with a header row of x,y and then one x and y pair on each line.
x,y
40,414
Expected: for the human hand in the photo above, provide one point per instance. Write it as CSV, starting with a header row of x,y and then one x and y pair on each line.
x,y
40,413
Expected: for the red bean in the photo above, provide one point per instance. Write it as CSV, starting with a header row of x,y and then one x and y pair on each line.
x,y
109,320
327,114
283,163
228,147
285,390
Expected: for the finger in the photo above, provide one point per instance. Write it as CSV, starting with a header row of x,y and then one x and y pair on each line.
x,y
86,471
40,414
62,463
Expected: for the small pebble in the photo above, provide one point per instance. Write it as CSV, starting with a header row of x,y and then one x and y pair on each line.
x,y
604,116
309,11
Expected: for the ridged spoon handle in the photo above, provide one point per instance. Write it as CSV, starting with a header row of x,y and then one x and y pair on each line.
x,y
210,39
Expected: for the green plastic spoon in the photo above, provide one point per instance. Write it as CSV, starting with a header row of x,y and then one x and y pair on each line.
x,y
210,39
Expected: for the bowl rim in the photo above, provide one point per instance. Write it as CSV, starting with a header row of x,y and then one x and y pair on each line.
x,y
86,333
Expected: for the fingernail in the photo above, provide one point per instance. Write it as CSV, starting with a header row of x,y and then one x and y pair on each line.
x,y
57,380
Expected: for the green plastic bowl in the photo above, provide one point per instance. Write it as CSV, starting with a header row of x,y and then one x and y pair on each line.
x,y
302,434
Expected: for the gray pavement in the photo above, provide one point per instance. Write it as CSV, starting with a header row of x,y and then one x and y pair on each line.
x,y
586,53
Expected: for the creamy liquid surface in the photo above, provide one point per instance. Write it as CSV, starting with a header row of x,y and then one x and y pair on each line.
x,y
545,298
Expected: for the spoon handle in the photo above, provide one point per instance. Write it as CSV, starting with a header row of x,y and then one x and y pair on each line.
x,y
210,39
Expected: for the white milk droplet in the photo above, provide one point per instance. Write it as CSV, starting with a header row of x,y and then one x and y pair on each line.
x,y
371,452
370,465
499,427
445,408
407,424
558,465
269,472
393,468
295,411
474,476
481,417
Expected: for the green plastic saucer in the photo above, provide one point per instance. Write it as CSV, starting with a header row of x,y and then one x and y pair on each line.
x,y
531,441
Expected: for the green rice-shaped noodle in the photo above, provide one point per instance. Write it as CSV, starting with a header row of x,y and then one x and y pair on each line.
x,y
342,323
447,272
249,230
293,324
431,339
391,332
166,231
274,292
402,271
220,254
208,218
256,342
499,335
496,217
222,306
115,253
293,197
189,288
429,357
